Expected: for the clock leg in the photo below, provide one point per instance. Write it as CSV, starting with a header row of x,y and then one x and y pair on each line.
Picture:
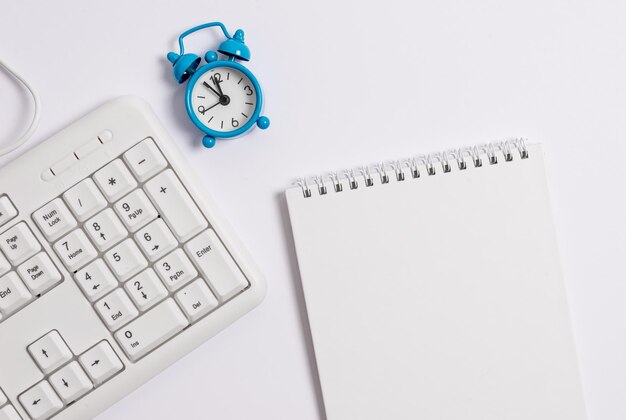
x,y
263,123
208,141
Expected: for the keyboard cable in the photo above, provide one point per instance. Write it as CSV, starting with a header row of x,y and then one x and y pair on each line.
x,y
34,122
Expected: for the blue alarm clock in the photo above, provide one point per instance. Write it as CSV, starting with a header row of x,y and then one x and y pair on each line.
x,y
223,98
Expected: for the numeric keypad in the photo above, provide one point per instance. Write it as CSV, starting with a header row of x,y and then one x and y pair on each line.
x,y
133,238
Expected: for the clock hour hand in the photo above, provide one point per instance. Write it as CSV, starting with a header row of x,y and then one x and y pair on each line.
x,y
203,110
211,87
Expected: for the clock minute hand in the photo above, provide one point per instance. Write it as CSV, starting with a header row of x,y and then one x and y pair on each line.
x,y
211,87
217,85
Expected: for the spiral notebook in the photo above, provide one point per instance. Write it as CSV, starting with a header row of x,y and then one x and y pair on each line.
x,y
434,291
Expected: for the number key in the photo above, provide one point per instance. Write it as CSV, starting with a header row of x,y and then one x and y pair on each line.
x,y
75,250
176,270
136,210
116,309
156,239
126,260
96,280
105,229
146,289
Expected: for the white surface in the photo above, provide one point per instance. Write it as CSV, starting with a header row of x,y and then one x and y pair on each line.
x,y
463,73
439,297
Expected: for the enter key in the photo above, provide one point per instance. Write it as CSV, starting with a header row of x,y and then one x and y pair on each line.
x,y
216,265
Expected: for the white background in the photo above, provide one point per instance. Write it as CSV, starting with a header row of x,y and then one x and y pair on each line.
x,y
350,82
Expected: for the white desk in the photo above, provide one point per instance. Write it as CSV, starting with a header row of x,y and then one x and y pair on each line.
x,y
350,83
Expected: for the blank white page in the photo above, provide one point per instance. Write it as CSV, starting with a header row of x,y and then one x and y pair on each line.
x,y
439,297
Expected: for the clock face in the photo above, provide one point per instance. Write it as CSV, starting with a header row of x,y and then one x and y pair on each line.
x,y
224,99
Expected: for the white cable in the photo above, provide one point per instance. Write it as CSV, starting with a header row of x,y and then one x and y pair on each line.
x,y
35,121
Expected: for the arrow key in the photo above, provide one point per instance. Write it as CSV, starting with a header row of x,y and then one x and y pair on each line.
x,y
100,362
40,401
71,382
8,413
50,351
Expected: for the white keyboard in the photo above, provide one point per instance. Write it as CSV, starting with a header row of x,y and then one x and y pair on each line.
x,y
112,265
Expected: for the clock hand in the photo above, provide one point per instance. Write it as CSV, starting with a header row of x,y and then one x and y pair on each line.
x,y
210,87
217,84
203,110
213,106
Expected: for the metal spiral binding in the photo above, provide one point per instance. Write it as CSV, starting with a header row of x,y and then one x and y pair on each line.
x,y
429,164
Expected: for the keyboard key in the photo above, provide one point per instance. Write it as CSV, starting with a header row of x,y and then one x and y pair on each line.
x,y
4,265
135,210
216,264
19,243
7,210
176,270
116,309
196,300
75,250
105,229
126,260
50,351
146,290
115,180
176,205
40,401
13,294
145,160
85,199
71,382
54,219
100,362
151,329
3,398
96,280
39,273
8,413
156,240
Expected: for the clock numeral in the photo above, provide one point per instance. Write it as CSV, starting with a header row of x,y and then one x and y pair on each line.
x,y
235,123
217,76
248,90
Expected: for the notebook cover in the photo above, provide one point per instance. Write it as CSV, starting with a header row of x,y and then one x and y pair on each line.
x,y
438,297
